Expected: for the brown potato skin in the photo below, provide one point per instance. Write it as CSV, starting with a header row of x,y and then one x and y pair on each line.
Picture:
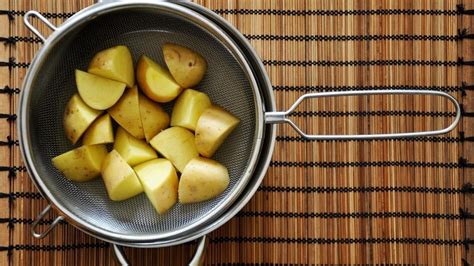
x,y
77,117
213,127
187,66
202,179
114,63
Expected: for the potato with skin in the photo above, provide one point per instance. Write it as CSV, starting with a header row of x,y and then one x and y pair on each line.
x,y
156,81
177,145
201,180
120,180
114,63
81,164
126,112
100,132
160,182
213,127
188,108
98,92
185,65
78,116
154,118
131,149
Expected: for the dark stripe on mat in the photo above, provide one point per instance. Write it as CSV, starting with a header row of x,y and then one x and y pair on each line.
x,y
356,215
417,241
360,88
274,12
303,38
345,38
415,139
467,188
368,164
323,63
389,62
372,113
54,247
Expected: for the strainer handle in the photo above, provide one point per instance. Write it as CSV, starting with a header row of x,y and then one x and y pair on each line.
x,y
38,220
283,117
32,28
199,254
197,260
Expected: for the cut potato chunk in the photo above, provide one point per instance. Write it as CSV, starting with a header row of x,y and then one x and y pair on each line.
x,y
177,145
98,92
160,182
133,150
114,63
213,127
120,180
185,65
202,179
100,132
78,116
156,81
127,113
81,164
154,118
188,108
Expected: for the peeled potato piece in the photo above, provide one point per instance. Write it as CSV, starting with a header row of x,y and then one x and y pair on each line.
x,y
78,116
120,180
188,108
98,92
154,118
132,150
185,65
126,112
160,183
213,127
100,132
115,63
177,145
81,164
156,81
201,180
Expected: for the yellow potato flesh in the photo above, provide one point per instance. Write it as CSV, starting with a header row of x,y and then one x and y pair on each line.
x,y
120,180
115,63
156,81
131,149
177,145
213,127
126,112
98,92
160,182
186,66
81,164
99,132
201,180
188,108
78,116
154,118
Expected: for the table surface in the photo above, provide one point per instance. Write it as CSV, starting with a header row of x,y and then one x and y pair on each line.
x,y
322,202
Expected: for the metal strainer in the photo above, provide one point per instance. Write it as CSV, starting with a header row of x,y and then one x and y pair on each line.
x,y
230,82
143,28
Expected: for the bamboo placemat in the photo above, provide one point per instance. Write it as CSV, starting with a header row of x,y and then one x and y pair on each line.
x,y
321,202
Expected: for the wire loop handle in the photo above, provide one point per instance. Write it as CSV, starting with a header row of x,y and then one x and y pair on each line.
x,y
282,117
38,220
33,29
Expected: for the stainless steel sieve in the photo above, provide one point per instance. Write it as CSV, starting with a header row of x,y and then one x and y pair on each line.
x,y
235,80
